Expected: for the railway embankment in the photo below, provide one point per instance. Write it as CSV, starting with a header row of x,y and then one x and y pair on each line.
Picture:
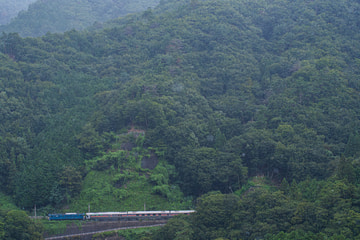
x,y
86,230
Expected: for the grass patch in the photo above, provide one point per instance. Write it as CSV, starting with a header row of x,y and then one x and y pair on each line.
x,y
59,227
100,192
116,182
54,227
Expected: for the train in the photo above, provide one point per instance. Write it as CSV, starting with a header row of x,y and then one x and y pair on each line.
x,y
119,216
66,216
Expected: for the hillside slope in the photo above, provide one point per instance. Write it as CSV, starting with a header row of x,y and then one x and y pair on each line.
x,y
217,92
60,16
9,9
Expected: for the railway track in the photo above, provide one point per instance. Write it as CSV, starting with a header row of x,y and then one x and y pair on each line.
x,y
92,233
87,231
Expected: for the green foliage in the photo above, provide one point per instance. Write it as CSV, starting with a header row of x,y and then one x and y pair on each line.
x,y
56,227
17,225
206,169
189,98
59,16
176,228
345,170
6,203
139,233
103,235
352,146
70,180
89,141
117,181
320,209
9,9
213,215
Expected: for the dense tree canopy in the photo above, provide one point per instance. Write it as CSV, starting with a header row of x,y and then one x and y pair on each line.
x,y
9,9
16,224
60,16
190,98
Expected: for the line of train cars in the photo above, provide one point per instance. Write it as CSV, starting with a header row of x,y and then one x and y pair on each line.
x,y
119,216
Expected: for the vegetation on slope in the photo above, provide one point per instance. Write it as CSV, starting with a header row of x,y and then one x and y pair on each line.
x,y
59,16
219,91
9,9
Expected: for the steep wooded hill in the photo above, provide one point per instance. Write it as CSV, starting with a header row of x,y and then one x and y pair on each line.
x,y
212,93
9,9
60,16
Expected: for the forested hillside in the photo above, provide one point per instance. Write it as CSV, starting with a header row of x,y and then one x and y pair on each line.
x,y
247,111
63,15
9,9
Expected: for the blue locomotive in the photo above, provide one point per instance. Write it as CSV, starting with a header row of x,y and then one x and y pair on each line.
x,y
67,216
